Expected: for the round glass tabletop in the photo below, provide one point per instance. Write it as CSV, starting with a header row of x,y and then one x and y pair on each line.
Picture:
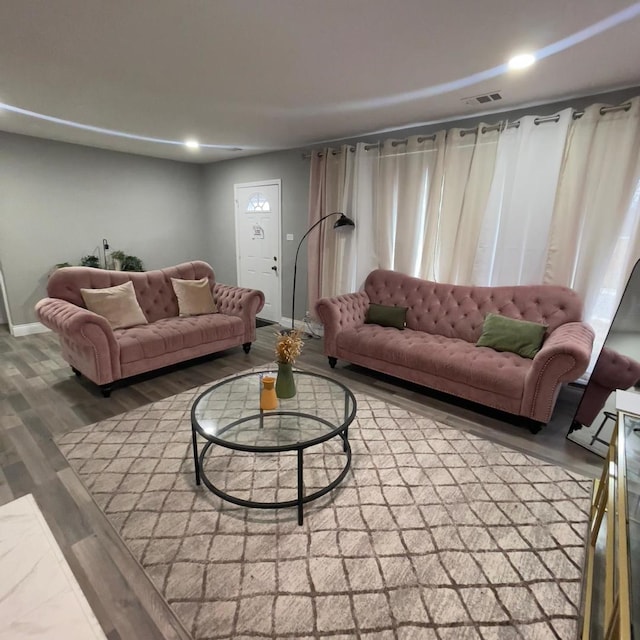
x,y
229,413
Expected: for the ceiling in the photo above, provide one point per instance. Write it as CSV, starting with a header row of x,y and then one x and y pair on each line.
x,y
275,74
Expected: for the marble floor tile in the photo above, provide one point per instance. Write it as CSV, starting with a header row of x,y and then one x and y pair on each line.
x,y
39,595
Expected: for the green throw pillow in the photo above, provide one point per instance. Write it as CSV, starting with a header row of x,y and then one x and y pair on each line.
x,y
506,334
386,316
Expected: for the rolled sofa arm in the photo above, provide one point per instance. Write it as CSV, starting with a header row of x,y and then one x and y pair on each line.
x,y
338,314
88,342
241,302
564,357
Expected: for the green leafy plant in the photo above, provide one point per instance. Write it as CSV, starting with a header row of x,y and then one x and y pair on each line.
x,y
90,261
131,263
126,263
118,255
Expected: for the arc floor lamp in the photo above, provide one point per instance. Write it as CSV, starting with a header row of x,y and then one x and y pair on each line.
x,y
342,222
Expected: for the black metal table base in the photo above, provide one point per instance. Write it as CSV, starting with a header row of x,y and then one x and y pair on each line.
x,y
608,415
301,499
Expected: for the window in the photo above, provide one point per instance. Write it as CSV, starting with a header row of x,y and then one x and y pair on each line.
x,y
257,202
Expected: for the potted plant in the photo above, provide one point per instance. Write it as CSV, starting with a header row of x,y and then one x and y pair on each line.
x,y
288,347
132,263
90,261
123,262
118,258
58,265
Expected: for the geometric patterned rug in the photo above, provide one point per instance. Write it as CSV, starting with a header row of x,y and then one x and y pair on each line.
x,y
435,534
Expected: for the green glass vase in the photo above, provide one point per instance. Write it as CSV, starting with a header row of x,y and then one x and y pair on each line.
x,y
285,382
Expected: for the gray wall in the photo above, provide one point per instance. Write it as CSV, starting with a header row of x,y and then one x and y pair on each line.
x,y
219,178
58,200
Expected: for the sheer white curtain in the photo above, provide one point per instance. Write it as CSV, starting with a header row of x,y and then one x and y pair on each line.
x,y
513,240
435,177
363,206
469,161
355,248
407,197
393,196
594,239
386,212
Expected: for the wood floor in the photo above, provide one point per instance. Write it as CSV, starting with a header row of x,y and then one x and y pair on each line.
x,y
40,398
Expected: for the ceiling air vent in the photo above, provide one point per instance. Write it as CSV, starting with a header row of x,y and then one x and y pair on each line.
x,y
485,98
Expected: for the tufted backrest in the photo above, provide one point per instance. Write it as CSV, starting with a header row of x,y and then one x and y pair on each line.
x,y
459,311
615,370
153,288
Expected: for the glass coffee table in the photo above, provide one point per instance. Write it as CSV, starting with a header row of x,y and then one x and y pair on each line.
x,y
228,415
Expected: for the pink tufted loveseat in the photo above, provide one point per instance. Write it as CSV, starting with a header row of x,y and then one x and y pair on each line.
x,y
612,371
103,355
437,347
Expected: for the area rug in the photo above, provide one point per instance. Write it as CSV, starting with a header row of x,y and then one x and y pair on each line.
x,y
433,534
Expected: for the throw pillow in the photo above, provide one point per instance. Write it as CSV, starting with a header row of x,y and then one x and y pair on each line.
x,y
386,316
118,305
194,297
507,334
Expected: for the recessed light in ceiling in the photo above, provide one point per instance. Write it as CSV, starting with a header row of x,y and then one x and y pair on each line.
x,y
521,61
194,145
625,15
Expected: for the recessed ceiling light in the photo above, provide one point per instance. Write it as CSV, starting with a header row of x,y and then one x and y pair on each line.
x,y
192,144
522,61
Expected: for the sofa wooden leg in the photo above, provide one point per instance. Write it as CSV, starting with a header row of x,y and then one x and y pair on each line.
x,y
106,390
534,427
575,426
332,362
76,371
246,347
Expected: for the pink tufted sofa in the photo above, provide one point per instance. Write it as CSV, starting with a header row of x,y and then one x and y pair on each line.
x,y
437,347
103,355
612,371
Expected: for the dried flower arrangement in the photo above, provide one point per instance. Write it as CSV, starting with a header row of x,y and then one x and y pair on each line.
x,y
288,346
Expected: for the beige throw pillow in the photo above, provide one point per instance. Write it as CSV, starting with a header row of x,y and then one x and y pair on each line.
x,y
194,297
117,304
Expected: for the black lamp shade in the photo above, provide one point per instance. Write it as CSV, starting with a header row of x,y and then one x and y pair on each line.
x,y
343,221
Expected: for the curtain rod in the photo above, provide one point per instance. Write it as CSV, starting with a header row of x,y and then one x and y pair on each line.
x,y
375,145
576,114
625,106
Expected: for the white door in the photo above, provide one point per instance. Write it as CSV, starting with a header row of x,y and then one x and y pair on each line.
x,y
258,242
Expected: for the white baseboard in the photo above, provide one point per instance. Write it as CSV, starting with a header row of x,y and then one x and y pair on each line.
x,y
18,330
285,323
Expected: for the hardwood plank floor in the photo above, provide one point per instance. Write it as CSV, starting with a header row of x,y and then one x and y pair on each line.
x,y
40,398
